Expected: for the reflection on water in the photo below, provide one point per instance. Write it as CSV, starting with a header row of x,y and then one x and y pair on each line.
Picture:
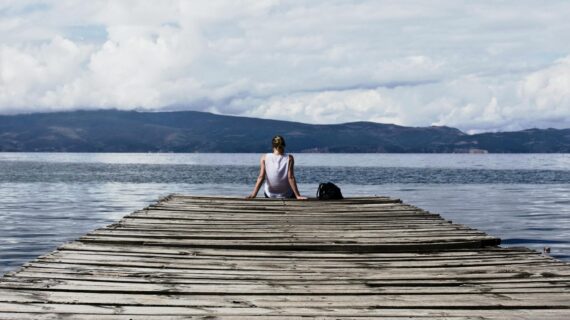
x,y
46,203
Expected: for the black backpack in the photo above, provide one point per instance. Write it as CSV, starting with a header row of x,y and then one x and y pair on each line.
x,y
329,191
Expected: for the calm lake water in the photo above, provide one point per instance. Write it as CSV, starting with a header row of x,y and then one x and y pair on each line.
x,y
51,198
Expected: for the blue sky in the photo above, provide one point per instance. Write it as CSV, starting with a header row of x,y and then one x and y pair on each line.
x,y
475,65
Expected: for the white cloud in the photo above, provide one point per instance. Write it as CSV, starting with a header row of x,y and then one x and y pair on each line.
x,y
480,66
330,107
548,90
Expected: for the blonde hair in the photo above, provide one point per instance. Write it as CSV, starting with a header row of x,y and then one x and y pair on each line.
x,y
278,143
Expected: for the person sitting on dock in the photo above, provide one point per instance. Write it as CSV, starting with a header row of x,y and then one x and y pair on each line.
x,y
276,169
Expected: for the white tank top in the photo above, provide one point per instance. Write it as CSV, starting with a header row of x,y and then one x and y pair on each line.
x,y
276,181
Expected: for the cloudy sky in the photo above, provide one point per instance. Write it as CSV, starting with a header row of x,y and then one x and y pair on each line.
x,y
475,65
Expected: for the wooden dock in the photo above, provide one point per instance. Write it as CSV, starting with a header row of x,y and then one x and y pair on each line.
x,y
228,258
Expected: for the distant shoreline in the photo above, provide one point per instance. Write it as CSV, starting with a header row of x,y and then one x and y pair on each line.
x,y
112,131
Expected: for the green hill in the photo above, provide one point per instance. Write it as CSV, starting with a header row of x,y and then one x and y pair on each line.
x,y
191,131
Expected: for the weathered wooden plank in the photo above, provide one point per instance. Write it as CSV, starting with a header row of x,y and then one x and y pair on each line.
x,y
297,264
255,212
339,246
267,288
395,314
272,236
52,316
197,258
172,275
469,272
225,252
304,226
357,304
385,221
201,254
322,241
130,273
412,285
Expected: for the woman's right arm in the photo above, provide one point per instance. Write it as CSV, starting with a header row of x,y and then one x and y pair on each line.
x,y
260,178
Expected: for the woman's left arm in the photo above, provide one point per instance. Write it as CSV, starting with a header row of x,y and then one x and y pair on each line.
x,y
292,180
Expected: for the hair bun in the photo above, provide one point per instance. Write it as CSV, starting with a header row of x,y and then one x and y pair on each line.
x,y
278,142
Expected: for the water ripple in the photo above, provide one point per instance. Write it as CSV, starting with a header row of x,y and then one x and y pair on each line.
x,y
51,172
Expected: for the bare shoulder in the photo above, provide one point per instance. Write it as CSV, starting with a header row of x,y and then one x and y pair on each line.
x,y
291,159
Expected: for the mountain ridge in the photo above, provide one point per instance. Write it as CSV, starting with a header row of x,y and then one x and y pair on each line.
x,y
194,131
